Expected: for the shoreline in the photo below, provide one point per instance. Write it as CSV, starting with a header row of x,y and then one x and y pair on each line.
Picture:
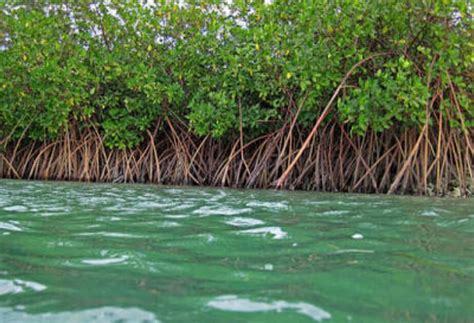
x,y
208,187
334,162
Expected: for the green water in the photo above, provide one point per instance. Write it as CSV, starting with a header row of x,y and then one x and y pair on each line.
x,y
72,252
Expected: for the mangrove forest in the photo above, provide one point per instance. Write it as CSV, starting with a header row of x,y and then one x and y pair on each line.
x,y
344,95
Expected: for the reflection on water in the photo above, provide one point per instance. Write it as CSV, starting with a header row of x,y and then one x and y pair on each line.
x,y
97,252
235,304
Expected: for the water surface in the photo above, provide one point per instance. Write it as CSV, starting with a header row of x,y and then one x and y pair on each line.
x,y
72,252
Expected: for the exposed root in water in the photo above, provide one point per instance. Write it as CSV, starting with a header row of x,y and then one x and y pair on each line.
x,y
435,160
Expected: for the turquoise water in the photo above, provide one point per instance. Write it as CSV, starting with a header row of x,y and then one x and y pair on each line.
x,y
72,252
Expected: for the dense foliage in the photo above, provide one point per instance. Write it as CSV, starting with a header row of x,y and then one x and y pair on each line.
x,y
119,66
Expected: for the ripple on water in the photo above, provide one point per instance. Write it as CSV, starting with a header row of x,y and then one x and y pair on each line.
x,y
268,205
9,287
109,234
268,267
154,205
209,237
275,232
107,261
350,203
18,286
235,304
182,206
318,202
16,208
169,224
244,222
121,209
335,212
173,191
223,210
176,216
216,197
9,226
102,314
353,251
429,213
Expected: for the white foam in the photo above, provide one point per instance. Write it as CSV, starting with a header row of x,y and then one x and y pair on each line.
x,y
429,213
102,314
268,205
235,304
268,267
173,191
335,212
9,227
209,237
217,197
109,219
349,203
94,200
18,286
109,234
357,236
48,214
319,202
276,232
52,208
37,287
109,261
9,287
181,207
176,216
206,211
169,224
244,222
354,251
16,208
154,205
117,235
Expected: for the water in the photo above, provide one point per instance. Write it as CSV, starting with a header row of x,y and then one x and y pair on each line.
x,y
72,252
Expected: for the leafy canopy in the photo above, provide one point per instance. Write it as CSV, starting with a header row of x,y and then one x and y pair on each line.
x,y
119,66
